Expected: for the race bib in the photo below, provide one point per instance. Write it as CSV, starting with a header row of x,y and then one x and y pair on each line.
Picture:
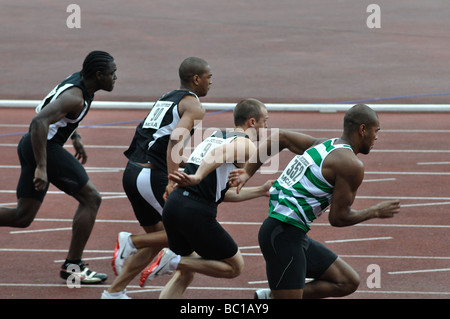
x,y
294,171
156,115
207,146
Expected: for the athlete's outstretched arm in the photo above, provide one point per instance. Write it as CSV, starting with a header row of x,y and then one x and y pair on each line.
x,y
296,142
238,151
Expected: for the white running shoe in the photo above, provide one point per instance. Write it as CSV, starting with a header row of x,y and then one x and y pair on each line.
x,y
124,249
79,272
115,295
262,294
165,264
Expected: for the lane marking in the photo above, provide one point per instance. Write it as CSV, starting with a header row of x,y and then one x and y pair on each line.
x,y
131,221
417,271
355,240
39,230
31,250
379,180
433,163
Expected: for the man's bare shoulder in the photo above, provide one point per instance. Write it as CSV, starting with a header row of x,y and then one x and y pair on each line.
x,y
345,164
191,104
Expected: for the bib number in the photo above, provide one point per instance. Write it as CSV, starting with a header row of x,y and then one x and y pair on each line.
x,y
207,146
294,171
156,115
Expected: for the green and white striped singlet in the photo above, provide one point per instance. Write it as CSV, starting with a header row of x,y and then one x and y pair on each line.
x,y
301,193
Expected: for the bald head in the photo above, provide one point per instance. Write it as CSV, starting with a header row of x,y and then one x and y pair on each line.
x,y
357,115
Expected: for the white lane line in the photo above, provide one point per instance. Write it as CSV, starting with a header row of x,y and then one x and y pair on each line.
x,y
397,257
379,180
248,247
399,292
417,271
31,250
131,221
433,163
425,204
355,239
39,230
86,259
89,169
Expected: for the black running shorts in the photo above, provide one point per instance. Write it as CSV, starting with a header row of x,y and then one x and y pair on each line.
x,y
145,188
191,225
291,256
63,170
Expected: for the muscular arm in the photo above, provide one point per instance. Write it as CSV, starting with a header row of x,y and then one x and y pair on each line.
x,y
348,178
191,111
237,152
69,102
296,142
247,193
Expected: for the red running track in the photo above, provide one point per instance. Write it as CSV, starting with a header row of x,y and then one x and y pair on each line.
x,y
410,161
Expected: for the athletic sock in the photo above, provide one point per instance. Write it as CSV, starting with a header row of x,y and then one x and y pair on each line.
x,y
173,263
116,294
130,242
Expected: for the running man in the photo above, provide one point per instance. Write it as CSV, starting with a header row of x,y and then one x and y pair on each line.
x,y
157,148
325,173
189,214
44,160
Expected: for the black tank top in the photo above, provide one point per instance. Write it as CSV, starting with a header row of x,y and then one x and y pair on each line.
x,y
214,186
149,144
60,131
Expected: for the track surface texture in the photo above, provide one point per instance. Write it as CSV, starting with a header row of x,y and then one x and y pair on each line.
x,y
278,52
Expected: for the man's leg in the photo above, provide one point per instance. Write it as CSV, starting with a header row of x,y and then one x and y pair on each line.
x,y
337,281
156,238
189,265
137,262
20,216
83,222
226,268
177,285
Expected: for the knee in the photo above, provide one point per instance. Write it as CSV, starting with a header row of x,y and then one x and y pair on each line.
x,y
23,222
349,284
236,268
237,272
96,199
91,199
22,216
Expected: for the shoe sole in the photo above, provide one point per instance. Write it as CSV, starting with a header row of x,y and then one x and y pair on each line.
x,y
150,269
116,253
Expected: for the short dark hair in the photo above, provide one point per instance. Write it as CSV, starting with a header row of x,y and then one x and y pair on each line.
x,y
359,114
191,66
247,109
96,61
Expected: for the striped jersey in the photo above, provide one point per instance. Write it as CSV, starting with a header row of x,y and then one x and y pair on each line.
x,y
60,131
152,135
301,193
214,186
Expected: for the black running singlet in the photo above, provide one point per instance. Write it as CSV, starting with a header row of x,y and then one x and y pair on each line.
x,y
214,186
152,135
60,131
